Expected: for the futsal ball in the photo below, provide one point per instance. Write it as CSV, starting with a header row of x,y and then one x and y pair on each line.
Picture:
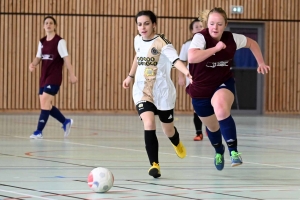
x,y
100,180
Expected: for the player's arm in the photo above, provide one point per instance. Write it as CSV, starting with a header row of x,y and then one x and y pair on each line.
x,y
72,77
245,42
181,67
254,47
183,58
172,55
63,52
181,76
131,73
197,52
37,59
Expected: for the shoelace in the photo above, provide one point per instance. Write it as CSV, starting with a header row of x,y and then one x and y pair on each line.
x,y
218,158
154,164
235,155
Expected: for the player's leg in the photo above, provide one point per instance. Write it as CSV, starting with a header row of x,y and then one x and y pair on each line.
x,y
198,127
45,102
222,101
204,109
167,123
146,111
55,112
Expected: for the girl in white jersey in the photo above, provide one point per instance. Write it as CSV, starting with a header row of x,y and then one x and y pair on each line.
x,y
153,90
195,26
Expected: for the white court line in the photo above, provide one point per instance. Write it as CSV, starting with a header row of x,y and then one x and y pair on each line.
x,y
92,145
25,194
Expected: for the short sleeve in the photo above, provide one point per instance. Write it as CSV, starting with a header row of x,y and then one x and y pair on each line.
x,y
240,40
198,42
136,41
62,48
39,51
170,52
184,52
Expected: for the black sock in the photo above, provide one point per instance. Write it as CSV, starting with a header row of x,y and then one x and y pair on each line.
x,y
198,124
43,119
175,138
55,113
151,144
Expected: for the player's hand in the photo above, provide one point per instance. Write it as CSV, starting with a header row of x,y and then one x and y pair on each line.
x,y
31,67
263,68
220,45
181,80
126,82
189,76
73,79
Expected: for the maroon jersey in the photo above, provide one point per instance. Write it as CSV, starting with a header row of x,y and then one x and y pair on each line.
x,y
209,74
52,63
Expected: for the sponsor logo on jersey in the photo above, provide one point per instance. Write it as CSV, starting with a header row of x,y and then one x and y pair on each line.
x,y
147,61
217,64
47,57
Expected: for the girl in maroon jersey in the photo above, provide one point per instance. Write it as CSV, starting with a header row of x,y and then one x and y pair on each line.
x,y
52,51
210,56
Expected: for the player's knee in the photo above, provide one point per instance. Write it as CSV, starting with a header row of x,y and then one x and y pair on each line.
x,y
149,124
169,129
222,111
45,103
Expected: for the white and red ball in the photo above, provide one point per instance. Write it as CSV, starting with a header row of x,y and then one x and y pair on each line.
x,y
100,180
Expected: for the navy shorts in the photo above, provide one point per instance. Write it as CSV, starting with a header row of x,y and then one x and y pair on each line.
x,y
203,107
49,89
165,116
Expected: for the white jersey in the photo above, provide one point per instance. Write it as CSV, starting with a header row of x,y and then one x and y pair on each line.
x,y
152,79
183,56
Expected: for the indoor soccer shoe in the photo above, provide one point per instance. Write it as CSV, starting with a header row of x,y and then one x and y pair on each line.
x,y
36,135
198,137
180,150
67,126
236,159
154,170
219,161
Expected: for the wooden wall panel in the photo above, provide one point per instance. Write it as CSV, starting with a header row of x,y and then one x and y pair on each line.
x,y
100,33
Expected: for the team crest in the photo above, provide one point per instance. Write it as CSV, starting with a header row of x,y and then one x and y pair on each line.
x,y
149,72
154,51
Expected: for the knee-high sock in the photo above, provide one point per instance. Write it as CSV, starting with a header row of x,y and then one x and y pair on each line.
x,y
55,113
198,124
175,138
216,140
151,144
228,130
44,115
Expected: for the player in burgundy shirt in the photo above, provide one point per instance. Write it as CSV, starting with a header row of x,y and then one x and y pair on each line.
x,y
210,56
52,51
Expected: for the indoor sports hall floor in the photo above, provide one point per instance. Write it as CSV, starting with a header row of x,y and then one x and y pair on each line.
x,y
57,168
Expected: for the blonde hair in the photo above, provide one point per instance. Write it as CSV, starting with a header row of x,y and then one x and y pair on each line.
x,y
203,16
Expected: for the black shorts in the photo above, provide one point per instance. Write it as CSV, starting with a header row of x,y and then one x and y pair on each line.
x,y
165,116
49,89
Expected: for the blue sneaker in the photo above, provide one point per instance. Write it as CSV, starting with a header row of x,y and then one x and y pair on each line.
x,y
219,161
67,126
236,159
36,135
